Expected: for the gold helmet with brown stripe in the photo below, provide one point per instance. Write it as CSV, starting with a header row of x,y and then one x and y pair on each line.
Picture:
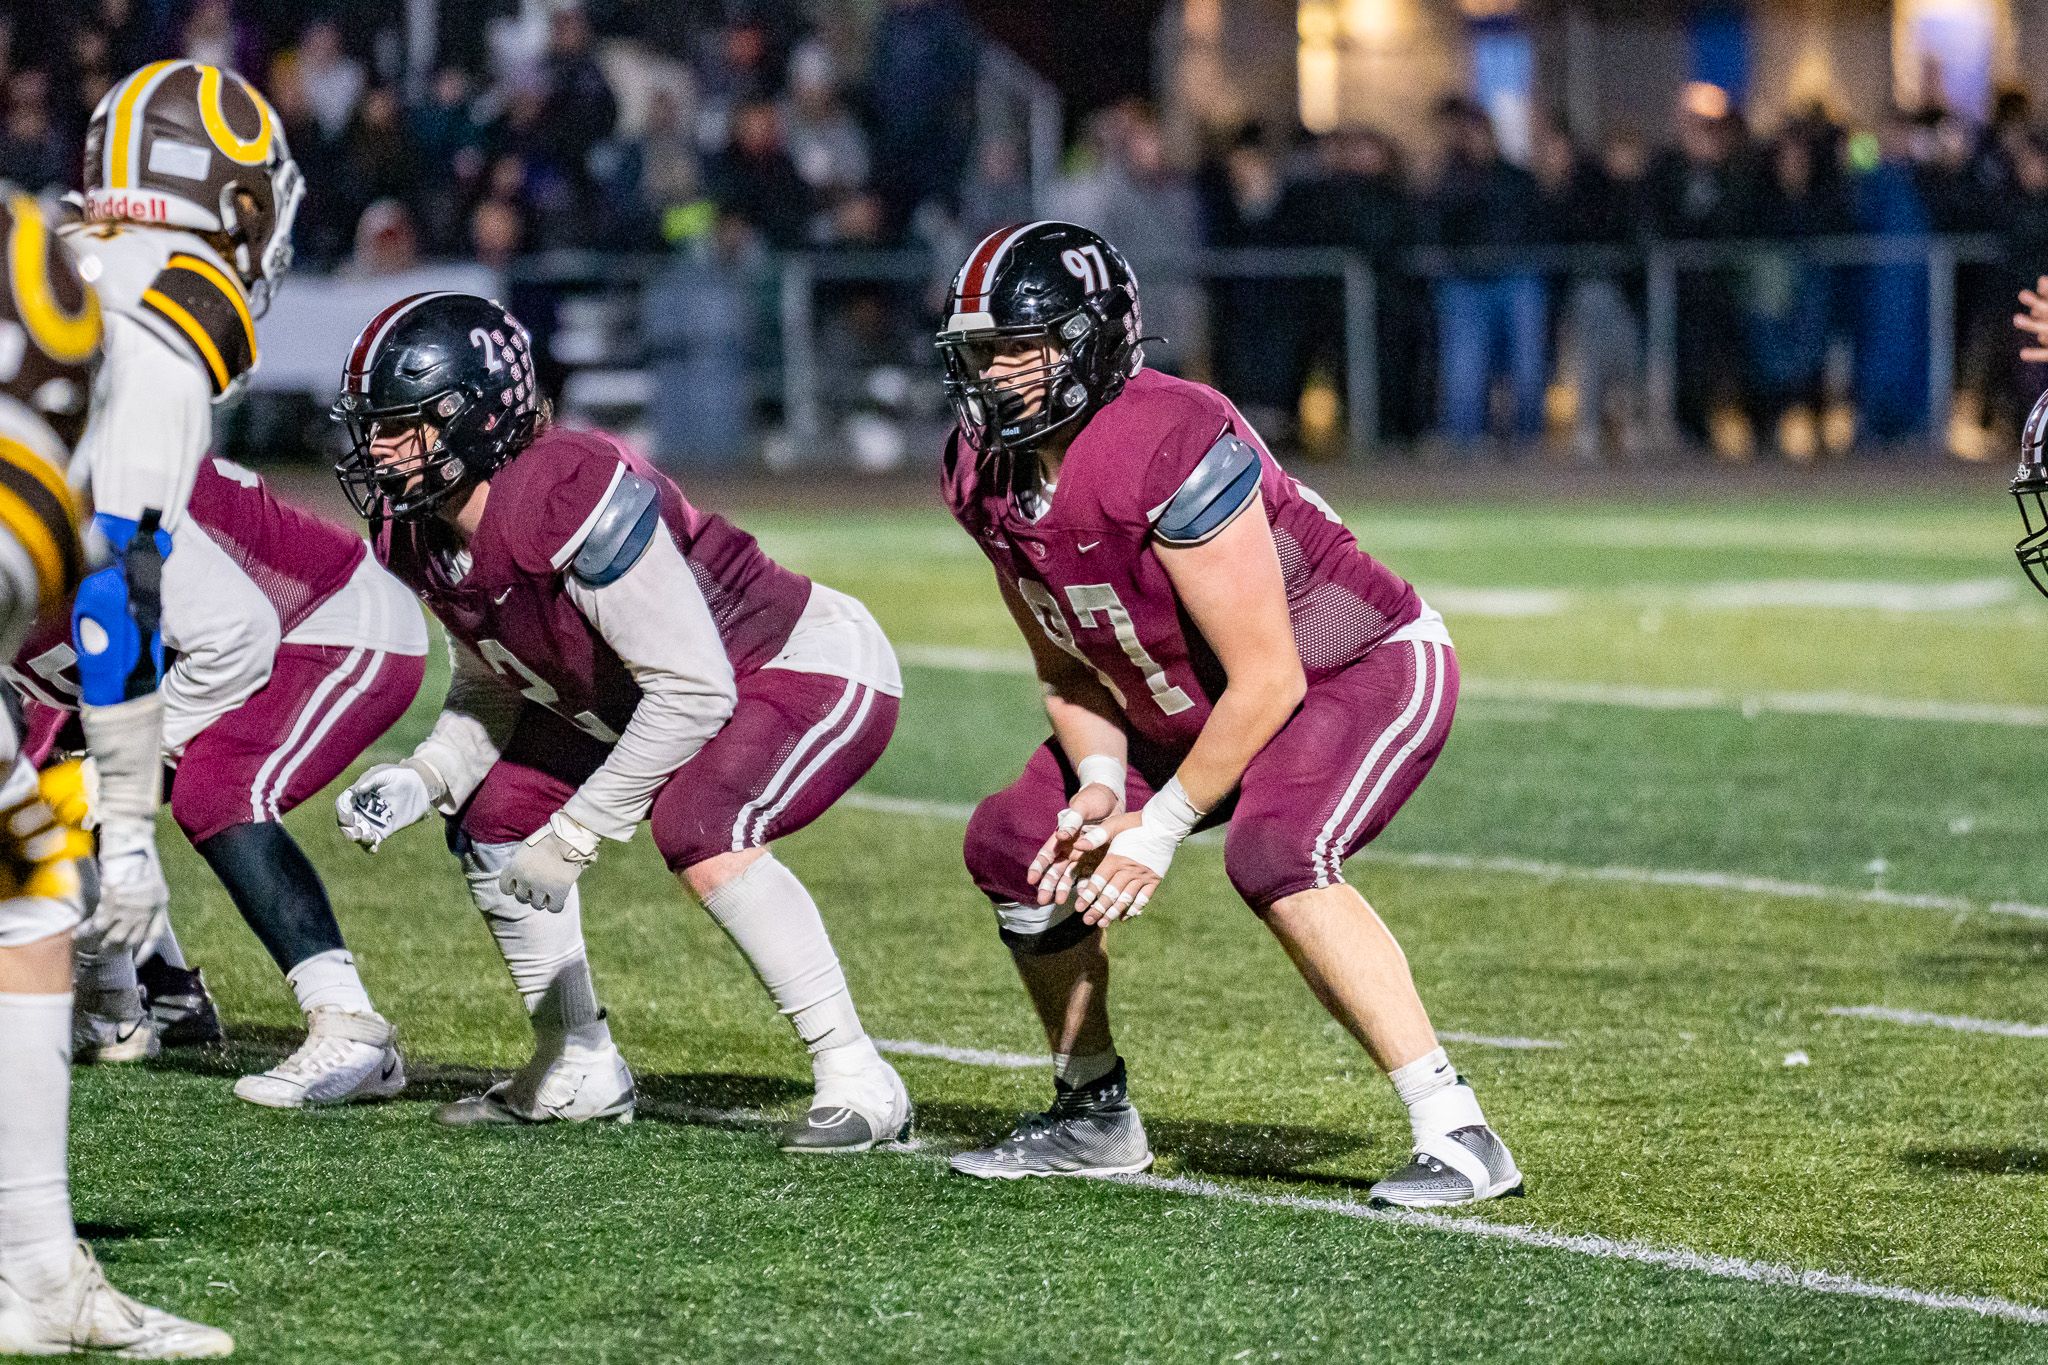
x,y
50,333
186,145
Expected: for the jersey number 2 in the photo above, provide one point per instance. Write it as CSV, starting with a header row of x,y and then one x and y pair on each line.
x,y
1090,601
538,690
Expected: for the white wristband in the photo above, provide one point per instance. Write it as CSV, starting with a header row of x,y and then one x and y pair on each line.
x,y
1104,770
1168,818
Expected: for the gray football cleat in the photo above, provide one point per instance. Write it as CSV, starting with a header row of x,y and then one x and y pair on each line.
x,y
107,1040
1089,1131
553,1087
854,1113
1460,1167
86,1313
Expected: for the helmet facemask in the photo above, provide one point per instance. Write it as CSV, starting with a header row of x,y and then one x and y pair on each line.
x,y
2030,490
421,477
1093,351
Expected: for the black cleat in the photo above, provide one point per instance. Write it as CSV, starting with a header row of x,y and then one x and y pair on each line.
x,y
178,1003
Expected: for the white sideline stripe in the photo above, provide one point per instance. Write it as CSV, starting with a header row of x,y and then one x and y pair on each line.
x,y
1959,1023
1513,1044
1608,1249
1733,882
965,1056
965,659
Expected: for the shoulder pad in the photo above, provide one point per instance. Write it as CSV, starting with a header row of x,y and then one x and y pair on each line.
x,y
1222,484
201,310
619,531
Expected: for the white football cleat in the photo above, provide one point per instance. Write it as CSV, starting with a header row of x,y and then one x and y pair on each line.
x,y
570,1086
103,1040
88,1314
347,1058
856,1108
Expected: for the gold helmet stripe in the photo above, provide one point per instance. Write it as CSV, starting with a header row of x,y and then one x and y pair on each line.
x,y
67,338
124,138
253,151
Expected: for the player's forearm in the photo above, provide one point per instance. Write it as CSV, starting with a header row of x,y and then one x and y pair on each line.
x,y
667,729
456,753
1084,722
1245,718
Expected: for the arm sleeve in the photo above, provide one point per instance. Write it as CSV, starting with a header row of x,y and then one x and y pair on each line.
x,y
655,619
225,632
152,424
475,721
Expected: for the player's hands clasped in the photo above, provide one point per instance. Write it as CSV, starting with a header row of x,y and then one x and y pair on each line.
x,y
1079,834
544,870
383,801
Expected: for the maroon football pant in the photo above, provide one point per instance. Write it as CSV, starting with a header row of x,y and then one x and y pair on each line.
x,y
1322,789
323,706
795,743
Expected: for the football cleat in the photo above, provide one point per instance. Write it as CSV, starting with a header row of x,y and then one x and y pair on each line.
x,y
572,1086
86,1313
180,1005
854,1112
1091,1130
104,1040
347,1058
1464,1166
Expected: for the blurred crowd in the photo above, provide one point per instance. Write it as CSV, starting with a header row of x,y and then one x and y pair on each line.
x,y
722,133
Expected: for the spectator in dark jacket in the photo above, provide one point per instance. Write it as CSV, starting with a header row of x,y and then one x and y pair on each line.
x,y
922,97
1490,316
1695,192
1786,298
754,178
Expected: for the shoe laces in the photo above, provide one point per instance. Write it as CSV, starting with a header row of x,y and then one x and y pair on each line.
x,y
314,1055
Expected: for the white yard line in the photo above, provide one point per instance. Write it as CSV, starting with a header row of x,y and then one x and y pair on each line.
x,y
1608,1249
1733,882
1510,1042
965,1056
1957,1023
965,659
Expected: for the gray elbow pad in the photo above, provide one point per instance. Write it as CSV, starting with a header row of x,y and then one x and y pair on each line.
x,y
1223,483
625,525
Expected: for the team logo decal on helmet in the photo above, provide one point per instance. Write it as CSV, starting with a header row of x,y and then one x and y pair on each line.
x,y
453,375
183,144
1053,283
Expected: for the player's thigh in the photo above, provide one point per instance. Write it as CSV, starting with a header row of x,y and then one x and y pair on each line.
x,y
794,744
1350,758
369,708
539,769
238,768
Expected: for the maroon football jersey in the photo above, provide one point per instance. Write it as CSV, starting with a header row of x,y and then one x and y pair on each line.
x,y
1087,567
295,558
511,607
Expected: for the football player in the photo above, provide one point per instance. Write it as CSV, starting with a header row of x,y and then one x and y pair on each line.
x,y
190,192
54,1299
1216,651
620,656
292,652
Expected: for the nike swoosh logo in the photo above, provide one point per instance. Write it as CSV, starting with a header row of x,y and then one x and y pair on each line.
x,y
390,1069
499,600
1089,546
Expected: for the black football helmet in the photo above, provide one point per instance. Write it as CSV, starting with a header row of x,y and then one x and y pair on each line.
x,y
2030,490
1048,281
457,369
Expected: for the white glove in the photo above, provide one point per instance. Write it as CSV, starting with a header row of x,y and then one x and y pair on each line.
x,y
135,900
544,870
387,799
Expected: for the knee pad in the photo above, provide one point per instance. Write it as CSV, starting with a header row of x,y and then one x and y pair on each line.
x,y
1039,930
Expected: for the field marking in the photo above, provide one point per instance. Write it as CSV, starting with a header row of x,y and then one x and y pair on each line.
x,y
965,1056
1511,1043
1609,1249
1733,882
1958,1023
967,659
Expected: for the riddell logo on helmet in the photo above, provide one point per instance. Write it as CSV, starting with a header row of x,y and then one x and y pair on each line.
x,y
136,208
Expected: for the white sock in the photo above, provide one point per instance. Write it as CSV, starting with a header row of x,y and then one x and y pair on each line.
x,y
107,987
1437,1104
36,1235
544,953
1083,1069
329,980
167,948
774,922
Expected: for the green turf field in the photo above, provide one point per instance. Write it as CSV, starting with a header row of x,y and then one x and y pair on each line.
x,y
1720,771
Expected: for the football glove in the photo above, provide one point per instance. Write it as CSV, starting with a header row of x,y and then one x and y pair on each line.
x,y
44,839
386,799
544,870
135,900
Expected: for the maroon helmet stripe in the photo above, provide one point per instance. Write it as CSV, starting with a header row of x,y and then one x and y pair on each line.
x,y
974,276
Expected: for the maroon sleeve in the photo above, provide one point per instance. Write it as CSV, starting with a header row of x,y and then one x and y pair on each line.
x,y
555,488
1186,428
957,484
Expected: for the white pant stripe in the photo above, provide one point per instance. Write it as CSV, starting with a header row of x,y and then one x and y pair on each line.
x,y
815,735
340,708
1436,698
1372,756
824,756
299,727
